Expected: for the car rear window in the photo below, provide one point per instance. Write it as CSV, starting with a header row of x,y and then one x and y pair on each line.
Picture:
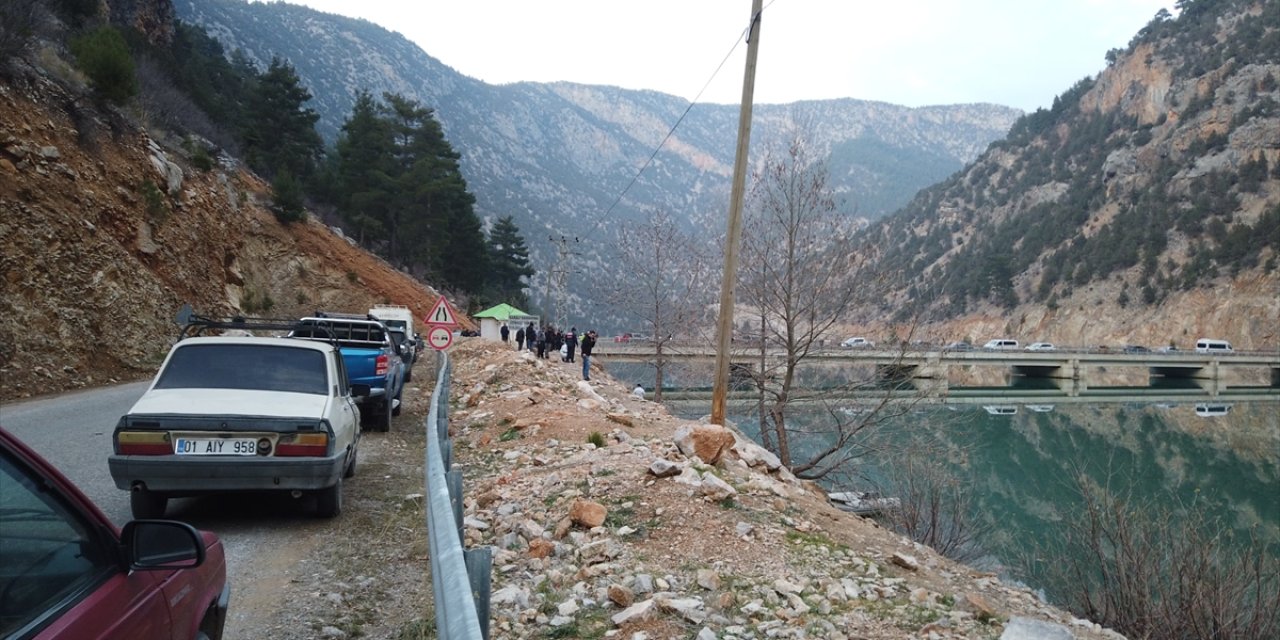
x,y
245,366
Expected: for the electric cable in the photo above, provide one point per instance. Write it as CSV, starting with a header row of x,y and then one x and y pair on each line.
x,y
635,178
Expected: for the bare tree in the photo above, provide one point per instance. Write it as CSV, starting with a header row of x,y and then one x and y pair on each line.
x,y
660,279
1150,572
936,506
799,261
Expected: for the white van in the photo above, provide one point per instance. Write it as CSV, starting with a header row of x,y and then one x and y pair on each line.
x,y
1209,345
1000,344
399,319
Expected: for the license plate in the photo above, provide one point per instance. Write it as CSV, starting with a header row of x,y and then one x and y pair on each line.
x,y
215,446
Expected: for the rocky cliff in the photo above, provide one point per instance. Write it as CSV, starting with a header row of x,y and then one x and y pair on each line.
x,y
1143,207
106,231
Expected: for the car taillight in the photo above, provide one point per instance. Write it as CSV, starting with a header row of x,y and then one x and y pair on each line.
x,y
381,365
303,444
143,443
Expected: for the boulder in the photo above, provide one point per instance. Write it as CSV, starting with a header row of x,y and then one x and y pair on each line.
x,y
706,441
587,513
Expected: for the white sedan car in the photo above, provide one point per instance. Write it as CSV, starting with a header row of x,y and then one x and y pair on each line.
x,y
857,343
1041,346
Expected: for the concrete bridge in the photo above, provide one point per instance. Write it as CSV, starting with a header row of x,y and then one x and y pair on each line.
x,y
936,363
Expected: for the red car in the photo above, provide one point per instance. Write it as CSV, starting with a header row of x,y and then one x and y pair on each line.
x,y
67,572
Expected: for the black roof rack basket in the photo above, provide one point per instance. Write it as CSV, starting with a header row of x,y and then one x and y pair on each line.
x,y
196,325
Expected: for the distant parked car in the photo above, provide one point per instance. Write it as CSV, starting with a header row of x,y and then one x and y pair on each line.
x,y
1000,344
958,346
66,571
857,343
1167,349
1136,348
1041,346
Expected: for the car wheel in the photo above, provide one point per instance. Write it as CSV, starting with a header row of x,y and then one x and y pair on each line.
x,y
351,464
329,501
408,375
147,505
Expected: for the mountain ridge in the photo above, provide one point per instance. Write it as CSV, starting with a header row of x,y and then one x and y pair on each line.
x,y
557,156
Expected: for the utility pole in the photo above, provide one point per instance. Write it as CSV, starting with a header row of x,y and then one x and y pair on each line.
x,y
558,277
734,237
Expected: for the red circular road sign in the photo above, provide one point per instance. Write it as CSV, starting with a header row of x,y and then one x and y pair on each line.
x,y
439,338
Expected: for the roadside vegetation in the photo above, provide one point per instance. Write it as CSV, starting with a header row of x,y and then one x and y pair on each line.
x,y
1149,572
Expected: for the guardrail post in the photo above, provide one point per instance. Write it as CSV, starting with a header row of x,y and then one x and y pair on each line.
x,y
480,569
454,481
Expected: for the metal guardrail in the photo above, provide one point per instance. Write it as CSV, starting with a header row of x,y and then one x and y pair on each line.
x,y
460,578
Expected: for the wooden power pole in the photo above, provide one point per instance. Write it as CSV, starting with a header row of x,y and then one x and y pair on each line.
x,y
729,280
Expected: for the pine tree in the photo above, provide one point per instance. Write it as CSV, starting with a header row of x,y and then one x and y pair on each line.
x,y
364,169
508,264
405,192
280,131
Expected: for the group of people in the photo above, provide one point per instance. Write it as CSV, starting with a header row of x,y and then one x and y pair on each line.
x,y
547,339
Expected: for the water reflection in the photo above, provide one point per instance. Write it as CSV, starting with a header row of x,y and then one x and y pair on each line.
x,y
1019,449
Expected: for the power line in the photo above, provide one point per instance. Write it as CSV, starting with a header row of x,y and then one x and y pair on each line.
x,y
608,212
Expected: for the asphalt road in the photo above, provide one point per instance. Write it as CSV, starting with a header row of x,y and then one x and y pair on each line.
x,y
73,431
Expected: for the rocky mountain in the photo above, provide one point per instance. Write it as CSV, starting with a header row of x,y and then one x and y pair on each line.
x,y
558,156
1144,206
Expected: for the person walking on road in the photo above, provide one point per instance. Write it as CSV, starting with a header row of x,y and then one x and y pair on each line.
x,y
588,345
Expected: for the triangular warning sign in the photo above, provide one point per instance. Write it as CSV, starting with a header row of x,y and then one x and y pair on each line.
x,y
442,313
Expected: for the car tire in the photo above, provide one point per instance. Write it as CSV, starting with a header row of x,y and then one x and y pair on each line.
x,y
350,471
408,375
146,505
329,501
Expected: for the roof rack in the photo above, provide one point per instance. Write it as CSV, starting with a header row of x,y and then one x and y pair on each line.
x,y
196,325
347,316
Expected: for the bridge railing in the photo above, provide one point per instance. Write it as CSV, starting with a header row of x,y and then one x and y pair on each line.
x,y
460,578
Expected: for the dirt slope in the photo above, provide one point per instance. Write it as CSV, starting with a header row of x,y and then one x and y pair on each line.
x,y
106,232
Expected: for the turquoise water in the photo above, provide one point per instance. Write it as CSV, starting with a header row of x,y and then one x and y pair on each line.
x,y
1017,461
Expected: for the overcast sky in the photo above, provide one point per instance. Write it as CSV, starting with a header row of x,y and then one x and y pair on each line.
x,y
1019,53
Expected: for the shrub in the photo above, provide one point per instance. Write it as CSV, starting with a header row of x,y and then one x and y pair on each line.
x,y
154,198
596,439
287,198
103,55
1151,573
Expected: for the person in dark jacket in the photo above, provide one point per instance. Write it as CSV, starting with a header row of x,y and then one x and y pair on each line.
x,y
588,345
571,341
505,333
520,339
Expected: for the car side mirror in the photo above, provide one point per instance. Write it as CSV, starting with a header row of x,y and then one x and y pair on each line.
x,y
360,390
161,544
